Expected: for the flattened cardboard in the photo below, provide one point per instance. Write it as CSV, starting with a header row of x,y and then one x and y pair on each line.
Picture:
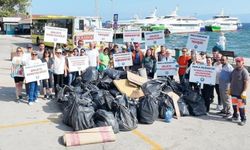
x,y
136,78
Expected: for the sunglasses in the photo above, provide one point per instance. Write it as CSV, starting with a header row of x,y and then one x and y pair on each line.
x,y
19,51
33,54
58,53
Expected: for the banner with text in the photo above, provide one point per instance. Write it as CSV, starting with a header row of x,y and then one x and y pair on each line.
x,y
154,38
55,35
202,74
133,35
104,35
36,72
86,37
78,63
166,68
122,59
197,42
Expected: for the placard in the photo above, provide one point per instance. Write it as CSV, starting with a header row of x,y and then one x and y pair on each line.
x,y
55,35
202,74
78,63
104,35
154,38
36,72
86,37
166,68
133,35
197,42
123,59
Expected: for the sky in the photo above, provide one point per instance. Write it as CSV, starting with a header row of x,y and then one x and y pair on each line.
x,y
126,9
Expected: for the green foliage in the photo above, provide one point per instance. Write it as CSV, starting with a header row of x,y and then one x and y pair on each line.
x,y
13,7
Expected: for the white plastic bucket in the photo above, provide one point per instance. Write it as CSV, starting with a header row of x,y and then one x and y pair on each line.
x,y
143,72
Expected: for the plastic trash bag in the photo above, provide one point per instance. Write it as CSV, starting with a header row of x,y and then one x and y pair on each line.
x,y
114,92
106,83
165,103
126,119
196,106
183,107
90,75
103,99
152,87
105,118
148,109
115,74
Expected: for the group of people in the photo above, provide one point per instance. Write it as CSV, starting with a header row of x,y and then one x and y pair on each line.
x,y
231,83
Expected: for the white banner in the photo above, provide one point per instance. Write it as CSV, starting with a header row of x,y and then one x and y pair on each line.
x,y
86,37
55,35
104,35
202,74
154,38
132,35
166,68
197,42
123,59
36,72
78,63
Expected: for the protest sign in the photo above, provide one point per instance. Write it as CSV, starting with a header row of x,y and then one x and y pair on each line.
x,y
104,35
36,72
123,59
55,35
197,42
202,74
86,37
154,38
164,68
133,35
78,63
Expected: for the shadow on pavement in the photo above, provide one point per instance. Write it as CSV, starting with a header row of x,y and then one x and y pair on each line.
x,y
7,94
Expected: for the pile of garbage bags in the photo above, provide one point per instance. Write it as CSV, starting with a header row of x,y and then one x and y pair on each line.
x,y
94,101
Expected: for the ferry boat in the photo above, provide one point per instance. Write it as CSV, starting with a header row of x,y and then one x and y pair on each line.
x,y
222,22
178,24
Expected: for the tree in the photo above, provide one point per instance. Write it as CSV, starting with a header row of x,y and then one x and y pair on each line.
x,y
13,7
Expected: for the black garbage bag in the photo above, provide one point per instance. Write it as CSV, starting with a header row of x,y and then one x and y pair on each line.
x,y
79,114
191,95
115,74
114,92
196,106
103,99
105,118
126,119
148,109
165,103
176,87
133,106
183,107
90,75
153,87
106,83
127,102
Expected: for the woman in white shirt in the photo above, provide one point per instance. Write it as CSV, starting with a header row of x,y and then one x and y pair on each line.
x,y
17,72
60,69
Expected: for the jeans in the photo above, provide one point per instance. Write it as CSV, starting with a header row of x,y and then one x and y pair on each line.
x,y
33,91
71,77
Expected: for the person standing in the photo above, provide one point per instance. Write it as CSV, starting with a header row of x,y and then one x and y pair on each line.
x,y
93,55
161,56
222,41
104,59
137,57
27,58
47,83
183,63
238,90
218,67
224,84
60,69
41,50
149,62
33,85
17,72
79,46
208,90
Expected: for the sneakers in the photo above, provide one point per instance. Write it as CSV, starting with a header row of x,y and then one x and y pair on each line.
x,y
228,116
235,119
31,103
242,123
219,107
45,97
36,101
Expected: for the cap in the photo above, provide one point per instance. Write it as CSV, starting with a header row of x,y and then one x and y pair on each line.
x,y
239,59
59,50
29,46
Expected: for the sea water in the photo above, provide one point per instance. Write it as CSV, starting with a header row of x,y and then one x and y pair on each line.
x,y
237,41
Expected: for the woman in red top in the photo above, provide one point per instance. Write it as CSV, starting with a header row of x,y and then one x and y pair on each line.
x,y
183,63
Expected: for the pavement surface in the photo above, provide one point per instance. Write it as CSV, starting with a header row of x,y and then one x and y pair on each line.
x,y
40,127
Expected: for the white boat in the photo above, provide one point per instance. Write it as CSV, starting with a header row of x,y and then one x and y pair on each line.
x,y
222,22
178,24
